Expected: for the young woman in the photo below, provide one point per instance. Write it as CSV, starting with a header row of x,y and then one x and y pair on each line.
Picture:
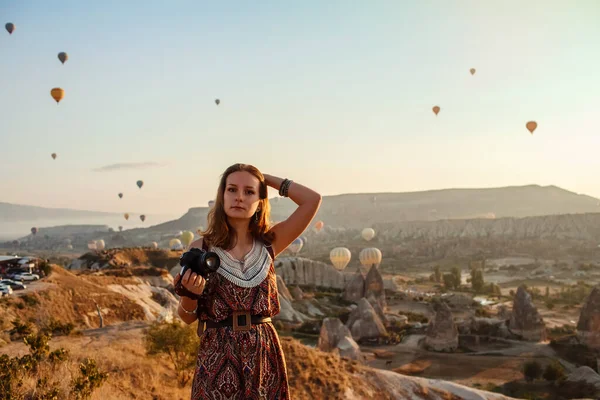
x,y
240,356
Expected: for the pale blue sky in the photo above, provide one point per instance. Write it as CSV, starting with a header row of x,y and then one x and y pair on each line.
x,y
334,94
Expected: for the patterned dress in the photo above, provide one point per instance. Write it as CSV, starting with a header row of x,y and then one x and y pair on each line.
x,y
240,364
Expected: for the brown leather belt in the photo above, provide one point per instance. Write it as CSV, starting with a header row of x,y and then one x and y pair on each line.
x,y
240,321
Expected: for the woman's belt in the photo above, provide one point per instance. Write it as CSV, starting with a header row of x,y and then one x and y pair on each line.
x,y
240,321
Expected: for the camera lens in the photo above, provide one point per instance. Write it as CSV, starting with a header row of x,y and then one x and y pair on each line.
x,y
213,262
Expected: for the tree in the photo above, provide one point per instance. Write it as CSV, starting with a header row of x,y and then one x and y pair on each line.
x,y
457,276
477,282
532,371
179,342
553,372
449,281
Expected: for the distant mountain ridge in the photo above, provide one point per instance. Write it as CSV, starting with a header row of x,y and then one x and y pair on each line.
x,y
16,212
365,209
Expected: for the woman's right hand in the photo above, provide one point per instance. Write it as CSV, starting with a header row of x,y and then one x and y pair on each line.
x,y
191,281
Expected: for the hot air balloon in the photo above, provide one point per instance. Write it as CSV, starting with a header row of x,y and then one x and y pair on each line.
x,y
140,184
57,94
436,110
100,244
368,234
217,101
199,230
120,228
120,195
296,246
211,203
319,225
143,217
154,245
531,126
370,256
186,238
340,257
126,216
472,71
92,245
10,27
53,156
34,230
62,56
175,244
69,247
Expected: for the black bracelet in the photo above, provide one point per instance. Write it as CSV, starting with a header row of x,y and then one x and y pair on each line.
x,y
282,187
287,188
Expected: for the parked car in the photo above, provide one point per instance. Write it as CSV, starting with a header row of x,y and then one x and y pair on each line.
x,y
5,290
14,285
26,276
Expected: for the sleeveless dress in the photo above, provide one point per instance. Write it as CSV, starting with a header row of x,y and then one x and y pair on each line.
x,y
240,364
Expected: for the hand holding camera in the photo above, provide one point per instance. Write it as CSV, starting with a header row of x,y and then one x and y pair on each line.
x,y
196,265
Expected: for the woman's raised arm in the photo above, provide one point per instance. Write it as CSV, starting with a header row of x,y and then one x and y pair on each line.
x,y
308,202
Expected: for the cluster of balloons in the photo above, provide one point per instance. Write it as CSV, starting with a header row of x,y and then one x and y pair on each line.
x,y
341,256
531,125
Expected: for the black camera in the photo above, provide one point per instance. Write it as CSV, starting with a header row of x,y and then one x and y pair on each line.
x,y
199,261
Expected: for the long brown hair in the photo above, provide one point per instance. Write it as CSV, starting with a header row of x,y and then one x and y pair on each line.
x,y
219,233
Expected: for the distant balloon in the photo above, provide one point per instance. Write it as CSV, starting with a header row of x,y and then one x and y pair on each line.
x,y
92,245
472,71
120,228
370,256
10,27
69,247
319,225
368,234
211,204
57,94
34,230
62,56
296,246
100,244
53,156
436,110
140,184
143,217
531,126
126,216
340,257
199,230
120,195
154,245
217,101
186,238
175,244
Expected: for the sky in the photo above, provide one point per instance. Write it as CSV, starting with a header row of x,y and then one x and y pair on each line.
x,y
335,95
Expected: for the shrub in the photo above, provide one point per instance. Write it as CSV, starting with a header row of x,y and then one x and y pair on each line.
x,y
532,371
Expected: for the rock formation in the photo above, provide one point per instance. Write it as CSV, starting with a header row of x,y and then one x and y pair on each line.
x,y
355,289
364,323
283,290
441,333
525,321
335,335
297,293
588,327
374,286
302,271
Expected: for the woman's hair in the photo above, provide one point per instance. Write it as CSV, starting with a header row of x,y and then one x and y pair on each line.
x,y
219,233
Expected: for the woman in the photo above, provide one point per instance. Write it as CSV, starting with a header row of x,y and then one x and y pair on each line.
x,y
240,356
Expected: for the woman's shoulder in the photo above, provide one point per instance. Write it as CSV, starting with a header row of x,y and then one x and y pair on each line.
x,y
197,243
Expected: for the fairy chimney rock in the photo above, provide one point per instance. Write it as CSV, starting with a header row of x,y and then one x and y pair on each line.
x,y
588,327
442,333
525,320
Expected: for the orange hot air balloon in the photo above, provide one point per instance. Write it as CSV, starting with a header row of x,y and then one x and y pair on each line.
x,y
472,71
126,216
319,225
436,110
54,156
57,94
531,126
10,27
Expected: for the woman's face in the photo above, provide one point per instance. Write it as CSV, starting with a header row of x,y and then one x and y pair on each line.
x,y
241,197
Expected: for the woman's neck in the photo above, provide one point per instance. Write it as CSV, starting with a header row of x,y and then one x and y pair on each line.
x,y
243,237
